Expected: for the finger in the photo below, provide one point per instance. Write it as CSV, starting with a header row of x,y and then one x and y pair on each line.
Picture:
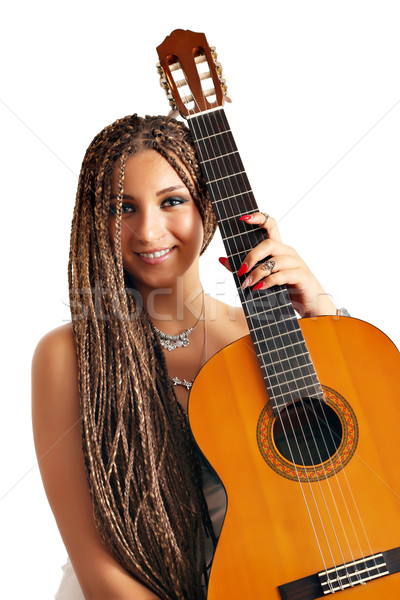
x,y
225,262
264,221
263,271
287,277
262,252
270,266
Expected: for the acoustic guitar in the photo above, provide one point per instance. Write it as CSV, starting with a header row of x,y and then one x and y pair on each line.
x,y
307,444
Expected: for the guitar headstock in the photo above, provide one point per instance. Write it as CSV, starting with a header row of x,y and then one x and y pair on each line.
x,y
190,73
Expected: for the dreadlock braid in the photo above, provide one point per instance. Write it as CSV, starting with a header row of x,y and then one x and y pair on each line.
x,y
143,472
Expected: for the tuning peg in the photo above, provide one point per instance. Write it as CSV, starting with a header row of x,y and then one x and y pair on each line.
x,y
218,68
165,85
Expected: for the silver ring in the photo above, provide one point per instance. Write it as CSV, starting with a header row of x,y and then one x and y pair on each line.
x,y
268,265
266,218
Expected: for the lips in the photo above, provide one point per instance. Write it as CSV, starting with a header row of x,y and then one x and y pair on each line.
x,y
156,253
156,256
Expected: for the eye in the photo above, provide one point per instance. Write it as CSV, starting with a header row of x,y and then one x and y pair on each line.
x,y
126,209
174,201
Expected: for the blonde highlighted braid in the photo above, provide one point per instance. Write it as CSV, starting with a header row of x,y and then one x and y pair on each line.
x,y
143,471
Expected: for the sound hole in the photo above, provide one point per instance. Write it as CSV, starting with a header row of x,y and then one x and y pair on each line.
x,y
307,432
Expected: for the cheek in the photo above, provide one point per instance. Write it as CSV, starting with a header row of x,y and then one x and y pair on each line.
x,y
192,229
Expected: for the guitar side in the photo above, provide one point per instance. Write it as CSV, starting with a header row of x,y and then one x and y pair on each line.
x,y
278,530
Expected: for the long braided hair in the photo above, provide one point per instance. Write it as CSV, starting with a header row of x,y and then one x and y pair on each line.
x,y
142,467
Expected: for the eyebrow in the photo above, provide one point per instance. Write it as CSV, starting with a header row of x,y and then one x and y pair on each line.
x,y
172,188
166,190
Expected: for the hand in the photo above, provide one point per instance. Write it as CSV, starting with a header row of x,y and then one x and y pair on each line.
x,y
286,268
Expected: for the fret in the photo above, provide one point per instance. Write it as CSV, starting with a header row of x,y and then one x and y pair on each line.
x,y
276,332
233,228
234,197
236,254
221,222
283,398
226,212
273,324
221,161
291,398
288,360
234,236
281,377
288,365
284,352
223,178
267,310
222,156
212,135
262,327
231,186
226,216
285,339
237,197
224,145
295,380
272,315
217,121
299,389
270,311
265,306
216,168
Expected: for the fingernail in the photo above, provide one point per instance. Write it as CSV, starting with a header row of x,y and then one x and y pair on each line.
x,y
246,283
223,260
243,269
245,218
258,285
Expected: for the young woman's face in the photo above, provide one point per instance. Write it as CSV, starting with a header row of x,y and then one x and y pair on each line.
x,y
162,230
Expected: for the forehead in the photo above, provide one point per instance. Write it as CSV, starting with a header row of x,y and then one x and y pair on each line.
x,y
145,171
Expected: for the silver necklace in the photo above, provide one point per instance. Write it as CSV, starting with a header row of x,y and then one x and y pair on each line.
x,y
185,383
180,340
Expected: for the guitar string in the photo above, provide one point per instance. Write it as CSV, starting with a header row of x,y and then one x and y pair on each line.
x,y
299,366
320,398
306,410
283,428
301,487
318,420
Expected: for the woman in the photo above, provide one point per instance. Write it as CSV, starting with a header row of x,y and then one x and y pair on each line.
x,y
139,515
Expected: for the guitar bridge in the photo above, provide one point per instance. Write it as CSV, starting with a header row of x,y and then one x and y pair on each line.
x,y
342,577
353,573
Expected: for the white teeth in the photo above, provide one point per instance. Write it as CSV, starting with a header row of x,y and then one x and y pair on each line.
x,y
154,254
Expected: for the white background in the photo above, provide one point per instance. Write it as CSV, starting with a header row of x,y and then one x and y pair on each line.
x,y
316,116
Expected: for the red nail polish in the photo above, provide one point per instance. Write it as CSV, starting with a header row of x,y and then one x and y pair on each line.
x,y
243,269
245,218
223,260
258,285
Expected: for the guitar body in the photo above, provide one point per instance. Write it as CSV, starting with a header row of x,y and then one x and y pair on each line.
x,y
311,467
278,530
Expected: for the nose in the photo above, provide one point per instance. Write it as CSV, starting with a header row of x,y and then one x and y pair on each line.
x,y
150,225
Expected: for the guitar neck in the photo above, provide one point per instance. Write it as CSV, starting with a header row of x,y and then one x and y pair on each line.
x,y
282,353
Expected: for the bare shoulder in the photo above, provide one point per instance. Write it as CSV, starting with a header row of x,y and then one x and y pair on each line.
x,y
227,315
56,421
55,397
54,349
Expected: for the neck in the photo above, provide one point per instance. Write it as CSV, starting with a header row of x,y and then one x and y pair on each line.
x,y
176,308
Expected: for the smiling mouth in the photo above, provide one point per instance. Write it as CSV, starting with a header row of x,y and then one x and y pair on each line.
x,y
155,254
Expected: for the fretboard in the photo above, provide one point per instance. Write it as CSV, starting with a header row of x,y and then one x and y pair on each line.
x,y
278,341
